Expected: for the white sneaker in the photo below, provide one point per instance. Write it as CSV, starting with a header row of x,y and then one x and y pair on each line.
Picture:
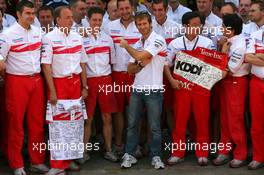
x,y
55,171
40,168
128,161
174,160
157,163
20,171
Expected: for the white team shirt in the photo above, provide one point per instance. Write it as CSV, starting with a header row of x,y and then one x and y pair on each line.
x,y
250,28
256,45
168,30
8,20
64,53
99,52
20,48
178,45
236,55
116,29
151,76
177,14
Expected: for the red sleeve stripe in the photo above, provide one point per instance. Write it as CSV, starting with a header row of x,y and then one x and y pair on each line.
x,y
168,40
162,54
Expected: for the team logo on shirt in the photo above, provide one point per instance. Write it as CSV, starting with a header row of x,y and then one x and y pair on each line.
x,y
158,43
17,40
57,42
115,31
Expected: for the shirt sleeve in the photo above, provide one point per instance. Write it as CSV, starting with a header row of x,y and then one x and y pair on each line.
x,y
251,45
4,47
236,59
171,55
46,51
156,46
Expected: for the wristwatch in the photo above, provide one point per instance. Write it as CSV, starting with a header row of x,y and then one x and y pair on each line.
x,y
85,87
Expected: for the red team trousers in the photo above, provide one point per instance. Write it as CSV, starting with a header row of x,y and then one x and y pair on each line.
x,y
185,104
233,97
25,100
257,111
66,88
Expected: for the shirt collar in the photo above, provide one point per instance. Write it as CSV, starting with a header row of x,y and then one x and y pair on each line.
x,y
188,41
20,28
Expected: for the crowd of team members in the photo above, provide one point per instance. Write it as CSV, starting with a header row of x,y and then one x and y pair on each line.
x,y
80,49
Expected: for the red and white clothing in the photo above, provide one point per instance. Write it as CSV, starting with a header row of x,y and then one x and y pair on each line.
x,y
250,28
234,90
169,30
64,53
156,46
256,45
116,29
20,48
99,52
187,102
120,62
177,14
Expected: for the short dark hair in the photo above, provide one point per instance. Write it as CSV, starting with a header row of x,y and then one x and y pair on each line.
x,y
94,10
130,2
233,6
260,3
234,22
22,4
45,8
190,15
141,15
57,12
164,2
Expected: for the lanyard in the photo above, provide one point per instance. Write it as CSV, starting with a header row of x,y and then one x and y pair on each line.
x,y
194,43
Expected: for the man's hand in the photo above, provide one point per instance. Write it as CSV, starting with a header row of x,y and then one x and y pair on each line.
x,y
226,47
221,42
84,93
260,55
53,98
123,42
2,65
175,84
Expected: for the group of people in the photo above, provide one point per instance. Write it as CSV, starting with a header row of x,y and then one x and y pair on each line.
x,y
87,50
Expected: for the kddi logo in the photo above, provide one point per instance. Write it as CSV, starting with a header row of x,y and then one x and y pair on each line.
x,y
187,67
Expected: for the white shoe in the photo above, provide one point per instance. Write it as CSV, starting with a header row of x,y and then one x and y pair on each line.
x,y
20,171
202,161
40,168
157,163
128,161
55,171
174,160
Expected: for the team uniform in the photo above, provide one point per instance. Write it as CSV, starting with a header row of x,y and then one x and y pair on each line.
x,y
169,30
256,45
100,51
234,90
64,54
8,20
24,88
120,76
177,14
187,102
